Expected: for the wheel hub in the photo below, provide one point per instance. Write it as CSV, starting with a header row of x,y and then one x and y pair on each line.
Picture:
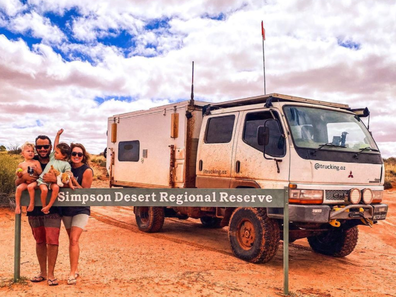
x,y
246,235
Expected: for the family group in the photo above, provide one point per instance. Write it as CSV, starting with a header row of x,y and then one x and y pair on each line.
x,y
44,169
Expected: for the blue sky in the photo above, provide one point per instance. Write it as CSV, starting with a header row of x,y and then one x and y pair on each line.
x,y
72,64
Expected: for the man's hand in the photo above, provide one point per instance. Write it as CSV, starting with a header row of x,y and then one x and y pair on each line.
x,y
49,177
25,178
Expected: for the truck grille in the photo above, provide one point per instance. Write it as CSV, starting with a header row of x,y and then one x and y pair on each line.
x,y
337,195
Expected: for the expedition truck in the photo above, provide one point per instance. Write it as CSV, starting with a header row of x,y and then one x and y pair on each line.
x,y
321,151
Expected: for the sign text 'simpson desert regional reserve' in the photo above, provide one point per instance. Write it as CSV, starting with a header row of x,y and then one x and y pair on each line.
x,y
170,197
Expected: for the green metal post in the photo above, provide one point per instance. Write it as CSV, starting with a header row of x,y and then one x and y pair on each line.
x,y
17,248
286,244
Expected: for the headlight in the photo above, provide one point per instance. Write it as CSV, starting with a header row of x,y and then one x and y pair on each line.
x,y
306,196
377,196
354,196
367,196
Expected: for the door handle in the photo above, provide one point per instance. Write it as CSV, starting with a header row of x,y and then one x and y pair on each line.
x,y
237,167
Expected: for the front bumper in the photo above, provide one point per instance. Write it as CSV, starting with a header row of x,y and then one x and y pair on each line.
x,y
326,213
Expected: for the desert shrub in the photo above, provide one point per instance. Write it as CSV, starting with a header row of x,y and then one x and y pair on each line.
x,y
390,172
14,150
390,161
387,185
99,160
8,164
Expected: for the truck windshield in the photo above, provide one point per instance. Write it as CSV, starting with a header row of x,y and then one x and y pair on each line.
x,y
317,128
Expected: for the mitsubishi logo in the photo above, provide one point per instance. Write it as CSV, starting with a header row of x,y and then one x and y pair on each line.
x,y
350,174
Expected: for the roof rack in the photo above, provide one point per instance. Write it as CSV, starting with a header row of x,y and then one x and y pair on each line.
x,y
275,98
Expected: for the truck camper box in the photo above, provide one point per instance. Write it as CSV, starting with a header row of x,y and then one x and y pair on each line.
x,y
155,148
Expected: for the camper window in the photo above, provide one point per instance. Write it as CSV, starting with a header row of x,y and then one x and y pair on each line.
x,y
129,151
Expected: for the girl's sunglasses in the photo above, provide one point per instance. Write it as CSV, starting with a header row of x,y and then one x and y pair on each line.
x,y
77,154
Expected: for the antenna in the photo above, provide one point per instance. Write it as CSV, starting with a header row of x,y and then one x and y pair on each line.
x,y
263,34
192,85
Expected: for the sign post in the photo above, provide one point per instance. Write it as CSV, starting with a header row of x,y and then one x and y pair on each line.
x,y
17,248
286,243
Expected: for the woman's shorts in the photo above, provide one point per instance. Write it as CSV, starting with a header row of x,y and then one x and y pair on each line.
x,y
79,221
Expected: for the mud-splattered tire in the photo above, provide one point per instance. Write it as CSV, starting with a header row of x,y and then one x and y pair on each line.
x,y
253,236
337,242
211,222
149,219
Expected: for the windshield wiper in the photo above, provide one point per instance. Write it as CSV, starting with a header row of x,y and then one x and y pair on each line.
x,y
367,148
330,145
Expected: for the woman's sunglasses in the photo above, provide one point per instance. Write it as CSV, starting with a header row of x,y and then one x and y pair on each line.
x,y
77,154
39,147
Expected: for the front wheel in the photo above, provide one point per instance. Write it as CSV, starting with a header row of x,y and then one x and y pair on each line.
x,y
149,219
337,242
253,236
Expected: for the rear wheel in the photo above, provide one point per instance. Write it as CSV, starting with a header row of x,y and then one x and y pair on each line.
x,y
211,222
253,236
149,219
337,242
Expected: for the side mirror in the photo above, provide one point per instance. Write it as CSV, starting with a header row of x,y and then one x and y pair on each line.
x,y
262,135
274,140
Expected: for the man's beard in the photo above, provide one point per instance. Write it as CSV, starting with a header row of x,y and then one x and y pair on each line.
x,y
45,156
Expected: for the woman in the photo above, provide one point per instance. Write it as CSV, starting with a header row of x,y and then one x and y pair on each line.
x,y
75,218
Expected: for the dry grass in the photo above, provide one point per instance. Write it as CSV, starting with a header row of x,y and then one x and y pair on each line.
x,y
98,164
390,173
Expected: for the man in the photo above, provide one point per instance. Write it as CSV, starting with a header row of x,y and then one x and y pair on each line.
x,y
45,227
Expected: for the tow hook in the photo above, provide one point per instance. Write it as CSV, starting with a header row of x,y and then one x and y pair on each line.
x,y
335,223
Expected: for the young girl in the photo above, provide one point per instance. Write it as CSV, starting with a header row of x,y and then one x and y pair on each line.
x,y
31,167
58,160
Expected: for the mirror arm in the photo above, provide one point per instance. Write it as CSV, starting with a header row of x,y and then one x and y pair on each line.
x,y
277,161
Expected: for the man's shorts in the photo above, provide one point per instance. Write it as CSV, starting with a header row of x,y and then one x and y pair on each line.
x,y
46,228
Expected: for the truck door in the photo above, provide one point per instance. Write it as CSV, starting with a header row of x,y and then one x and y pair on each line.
x,y
249,167
215,150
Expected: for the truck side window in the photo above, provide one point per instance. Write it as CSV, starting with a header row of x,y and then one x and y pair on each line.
x,y
252,121
219,129
129,151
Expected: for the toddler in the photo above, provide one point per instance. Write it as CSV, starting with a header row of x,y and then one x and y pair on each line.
x,y
31,167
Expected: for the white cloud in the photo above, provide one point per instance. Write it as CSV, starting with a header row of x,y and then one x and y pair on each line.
x,y
11,7
303,58
39,26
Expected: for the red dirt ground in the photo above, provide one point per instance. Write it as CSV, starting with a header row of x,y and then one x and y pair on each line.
x,y
187,259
